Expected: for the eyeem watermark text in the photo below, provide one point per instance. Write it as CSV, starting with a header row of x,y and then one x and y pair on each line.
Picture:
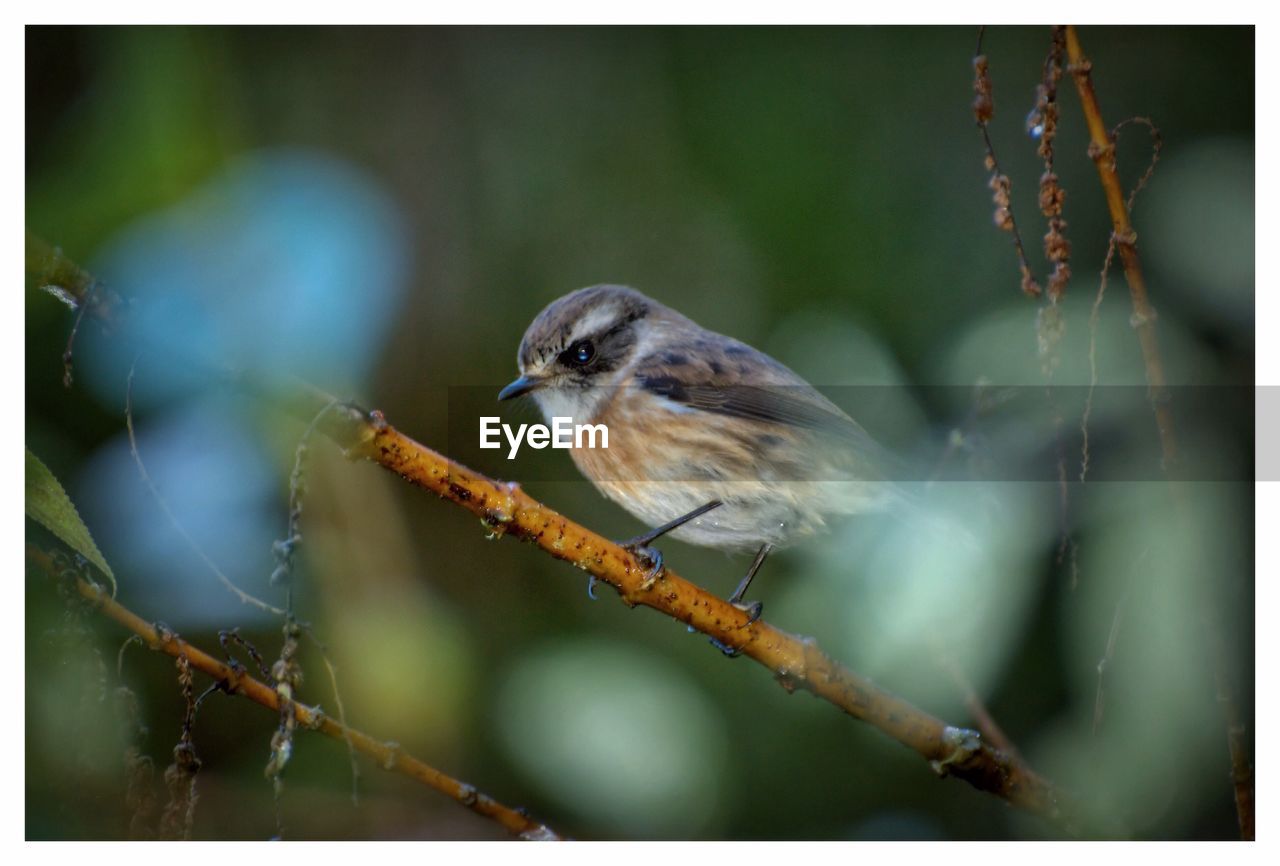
x,y
562,433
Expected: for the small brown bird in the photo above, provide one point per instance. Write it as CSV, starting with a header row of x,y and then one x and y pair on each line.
x,y
716,441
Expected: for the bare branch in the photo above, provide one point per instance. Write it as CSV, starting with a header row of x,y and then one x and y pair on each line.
x,y
796,662
389,756
1103,152
245,598
1100,699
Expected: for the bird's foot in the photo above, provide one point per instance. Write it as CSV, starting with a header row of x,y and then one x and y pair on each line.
x,y
650,559
729,651
752,609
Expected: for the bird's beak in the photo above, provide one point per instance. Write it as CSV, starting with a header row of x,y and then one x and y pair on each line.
x,y
523,385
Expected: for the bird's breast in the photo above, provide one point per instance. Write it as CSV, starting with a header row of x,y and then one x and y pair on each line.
x,y
662,463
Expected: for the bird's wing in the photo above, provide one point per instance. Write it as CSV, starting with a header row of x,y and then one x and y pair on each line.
x,y
738,381
792,405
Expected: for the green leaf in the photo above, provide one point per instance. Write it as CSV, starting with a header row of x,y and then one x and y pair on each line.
x,y
49,505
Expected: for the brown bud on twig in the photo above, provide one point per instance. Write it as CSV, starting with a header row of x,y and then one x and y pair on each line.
x,y
1000,188
1052,195
983,111
1048,129
1030,287
1103,155
983,105
1057,248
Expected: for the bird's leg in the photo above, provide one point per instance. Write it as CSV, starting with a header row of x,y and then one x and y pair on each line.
x,y
753,609
651,556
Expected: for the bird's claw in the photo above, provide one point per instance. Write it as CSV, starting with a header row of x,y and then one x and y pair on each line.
x,y
729,651
752,609
651,559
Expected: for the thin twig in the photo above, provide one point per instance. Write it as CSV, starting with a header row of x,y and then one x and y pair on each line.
x,y
227,582
69,351
978,711
1042,122
999,183
1157,142
1099,701
286,673
1103,152
1094,316
1094,313
178,817
51,271
332,669
297,486
139,796
389,756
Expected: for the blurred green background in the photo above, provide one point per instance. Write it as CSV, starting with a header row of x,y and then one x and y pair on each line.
x,y
383,211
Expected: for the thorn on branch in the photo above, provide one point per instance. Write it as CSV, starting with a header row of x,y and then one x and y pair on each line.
x,y
392,754
1103,154
541,833
468,795
163,635
963,744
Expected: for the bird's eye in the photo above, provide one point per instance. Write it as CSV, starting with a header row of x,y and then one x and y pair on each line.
x,y
581,353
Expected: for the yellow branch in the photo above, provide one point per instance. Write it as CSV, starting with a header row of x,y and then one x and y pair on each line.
x,y
389,756
796,662
1103,151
